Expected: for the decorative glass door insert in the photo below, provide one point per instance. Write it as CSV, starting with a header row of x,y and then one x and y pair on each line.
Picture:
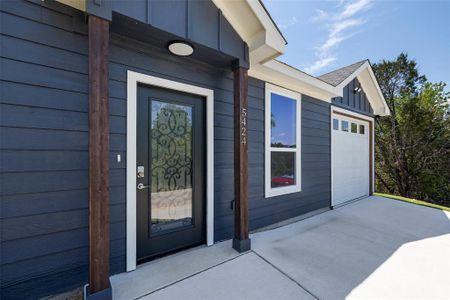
x,y
171,196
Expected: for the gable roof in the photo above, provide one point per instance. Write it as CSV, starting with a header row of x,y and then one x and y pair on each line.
x,y
363,71
336,77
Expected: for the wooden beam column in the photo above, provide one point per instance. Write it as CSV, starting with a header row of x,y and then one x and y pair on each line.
x,y
99,285
241,241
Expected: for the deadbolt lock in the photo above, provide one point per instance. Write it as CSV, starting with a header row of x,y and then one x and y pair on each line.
x,y
140,172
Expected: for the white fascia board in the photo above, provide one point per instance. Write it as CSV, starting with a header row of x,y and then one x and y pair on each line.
x,y
277,73
386,110
241,18
262,54
78,4
297,74
273,37
372,94
259,50
255,27
370,86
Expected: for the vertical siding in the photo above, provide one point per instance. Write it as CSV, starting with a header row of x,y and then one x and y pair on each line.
x,y
356,102
199,21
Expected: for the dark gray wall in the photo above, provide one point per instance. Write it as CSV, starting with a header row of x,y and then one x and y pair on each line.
x,y
44,146
44,152
126,54
315,157
316,167
44,143
198,21
354,101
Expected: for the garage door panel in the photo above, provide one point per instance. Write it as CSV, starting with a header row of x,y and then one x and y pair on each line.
x,y
350,161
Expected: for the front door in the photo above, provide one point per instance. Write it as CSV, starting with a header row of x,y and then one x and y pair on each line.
x,y
170,171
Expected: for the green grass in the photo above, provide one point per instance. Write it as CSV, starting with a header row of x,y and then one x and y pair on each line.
x,y
413,201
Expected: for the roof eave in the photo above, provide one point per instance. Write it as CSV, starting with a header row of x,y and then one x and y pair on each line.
x,y
254,25
78,4
285,76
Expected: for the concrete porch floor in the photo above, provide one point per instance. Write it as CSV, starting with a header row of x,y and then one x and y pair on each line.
x,y
373,248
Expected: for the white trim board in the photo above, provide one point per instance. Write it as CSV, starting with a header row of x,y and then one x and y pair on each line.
x,y
352,113
133,79
278,73
254,25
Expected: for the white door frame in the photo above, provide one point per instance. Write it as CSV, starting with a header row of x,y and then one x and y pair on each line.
x,y
361,116
133,79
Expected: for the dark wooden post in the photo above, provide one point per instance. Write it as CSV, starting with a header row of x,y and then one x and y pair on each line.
x,y
241,241
99,284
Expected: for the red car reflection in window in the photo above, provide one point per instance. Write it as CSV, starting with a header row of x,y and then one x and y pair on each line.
x,y
282,181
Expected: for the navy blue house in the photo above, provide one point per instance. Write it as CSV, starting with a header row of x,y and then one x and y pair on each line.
x,y
133,129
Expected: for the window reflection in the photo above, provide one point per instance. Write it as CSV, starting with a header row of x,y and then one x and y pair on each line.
x,y
362,129
344,126
282,169
283,121
335,124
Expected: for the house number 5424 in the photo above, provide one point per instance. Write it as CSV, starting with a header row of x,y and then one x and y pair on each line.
x,y
244,126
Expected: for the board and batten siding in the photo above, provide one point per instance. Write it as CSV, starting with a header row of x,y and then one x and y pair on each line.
x,y
198,21
356,102
44,152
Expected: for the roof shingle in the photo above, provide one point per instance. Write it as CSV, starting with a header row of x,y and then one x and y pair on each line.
x,y
337,76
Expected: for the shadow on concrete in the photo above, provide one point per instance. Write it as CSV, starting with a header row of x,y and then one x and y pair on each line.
x,y
376,247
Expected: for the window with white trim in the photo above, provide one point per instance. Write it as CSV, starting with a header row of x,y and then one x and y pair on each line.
x,y
282,147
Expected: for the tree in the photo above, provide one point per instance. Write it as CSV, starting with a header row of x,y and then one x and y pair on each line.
x,y
413,143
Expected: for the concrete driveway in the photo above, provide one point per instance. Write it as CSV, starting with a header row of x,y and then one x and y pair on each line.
x,y
375,248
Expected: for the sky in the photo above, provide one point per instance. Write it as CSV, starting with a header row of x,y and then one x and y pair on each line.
x,y
283,112
326,35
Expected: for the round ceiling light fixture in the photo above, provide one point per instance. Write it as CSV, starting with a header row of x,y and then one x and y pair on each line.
x,y
180,48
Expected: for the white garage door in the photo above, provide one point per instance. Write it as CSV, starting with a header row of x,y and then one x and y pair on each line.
x,y
350,151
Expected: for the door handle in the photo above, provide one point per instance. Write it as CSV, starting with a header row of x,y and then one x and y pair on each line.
x,y
141,186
